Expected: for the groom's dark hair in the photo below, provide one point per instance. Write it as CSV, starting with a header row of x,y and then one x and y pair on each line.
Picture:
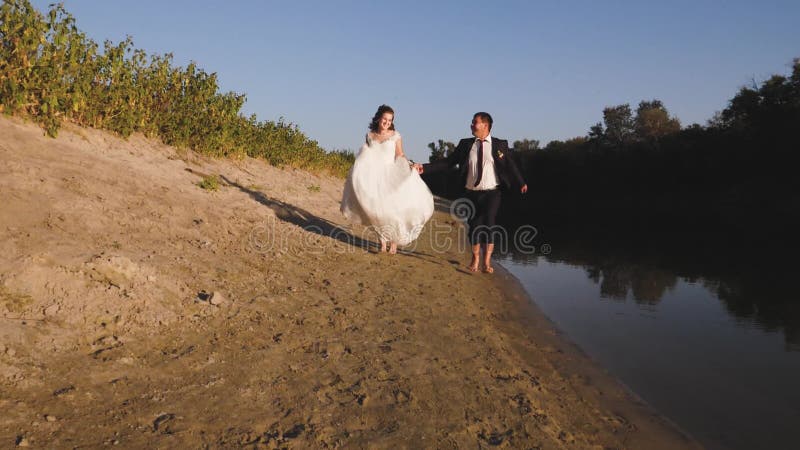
x,y
486,117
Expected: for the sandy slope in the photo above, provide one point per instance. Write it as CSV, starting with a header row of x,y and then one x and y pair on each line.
x,y
106,336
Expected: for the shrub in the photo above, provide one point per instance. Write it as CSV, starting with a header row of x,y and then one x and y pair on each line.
x,y
51,72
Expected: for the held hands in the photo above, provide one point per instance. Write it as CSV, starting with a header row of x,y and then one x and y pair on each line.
x,y
415,166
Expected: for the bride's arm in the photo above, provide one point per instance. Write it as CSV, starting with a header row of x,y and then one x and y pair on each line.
x,y
398,153
398,149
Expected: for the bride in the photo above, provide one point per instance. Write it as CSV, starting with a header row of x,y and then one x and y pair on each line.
x,y
382,190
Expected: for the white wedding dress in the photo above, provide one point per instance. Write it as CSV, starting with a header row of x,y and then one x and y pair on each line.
x,y
386,193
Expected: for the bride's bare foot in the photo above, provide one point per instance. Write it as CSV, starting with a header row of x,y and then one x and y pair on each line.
x,y
393,248
383,246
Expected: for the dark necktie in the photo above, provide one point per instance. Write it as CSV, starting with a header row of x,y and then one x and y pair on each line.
x,y
479,167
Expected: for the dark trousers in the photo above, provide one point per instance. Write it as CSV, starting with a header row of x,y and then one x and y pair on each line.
x,y
482,227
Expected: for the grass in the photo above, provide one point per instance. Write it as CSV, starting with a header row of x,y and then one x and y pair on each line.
x,y
14,302
209,183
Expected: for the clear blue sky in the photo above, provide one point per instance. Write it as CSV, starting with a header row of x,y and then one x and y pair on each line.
x,y
544,70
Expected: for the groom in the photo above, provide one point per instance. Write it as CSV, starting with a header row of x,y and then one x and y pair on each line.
x,y
484,166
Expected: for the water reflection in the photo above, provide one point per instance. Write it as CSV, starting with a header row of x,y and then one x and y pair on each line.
x,y
756,285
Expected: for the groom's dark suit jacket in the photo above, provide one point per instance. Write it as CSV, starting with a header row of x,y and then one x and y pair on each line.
x,y
505,168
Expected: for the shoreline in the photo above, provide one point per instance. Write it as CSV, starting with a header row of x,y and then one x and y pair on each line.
x,y
310,338
568,356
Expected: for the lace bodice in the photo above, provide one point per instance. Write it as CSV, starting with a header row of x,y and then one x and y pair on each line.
x,y
373,139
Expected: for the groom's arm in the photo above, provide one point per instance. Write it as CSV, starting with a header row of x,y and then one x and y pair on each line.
x,y
516,173
523,186
449,161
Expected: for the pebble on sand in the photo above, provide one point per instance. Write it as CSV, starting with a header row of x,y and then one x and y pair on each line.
x,y
217,298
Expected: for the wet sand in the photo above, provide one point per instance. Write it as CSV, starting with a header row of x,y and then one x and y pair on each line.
x,y
139,310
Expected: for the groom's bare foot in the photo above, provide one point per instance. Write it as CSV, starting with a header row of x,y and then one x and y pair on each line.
x,y
487,266
473,265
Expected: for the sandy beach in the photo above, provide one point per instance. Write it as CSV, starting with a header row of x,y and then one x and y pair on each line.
x,y
138,309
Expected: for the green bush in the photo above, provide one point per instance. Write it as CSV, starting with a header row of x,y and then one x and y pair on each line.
x,y
51,72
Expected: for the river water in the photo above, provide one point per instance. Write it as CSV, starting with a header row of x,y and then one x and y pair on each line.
x,y
709,339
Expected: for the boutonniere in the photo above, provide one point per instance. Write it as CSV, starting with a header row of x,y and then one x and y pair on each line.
x,y
500,154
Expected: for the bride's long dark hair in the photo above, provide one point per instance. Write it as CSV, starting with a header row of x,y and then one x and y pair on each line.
x,y
373,126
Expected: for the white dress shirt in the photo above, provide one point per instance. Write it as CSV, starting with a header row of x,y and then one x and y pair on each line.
x,y
489,177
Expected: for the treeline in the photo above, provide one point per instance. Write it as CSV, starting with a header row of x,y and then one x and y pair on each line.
x,y
51,72
641,169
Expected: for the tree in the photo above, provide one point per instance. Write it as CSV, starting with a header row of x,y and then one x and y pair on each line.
x,y
653,121
597,135
442,151
526,145
596,132
773,104
619,124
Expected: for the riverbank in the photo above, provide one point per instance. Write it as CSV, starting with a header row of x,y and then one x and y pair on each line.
x,y
142,310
